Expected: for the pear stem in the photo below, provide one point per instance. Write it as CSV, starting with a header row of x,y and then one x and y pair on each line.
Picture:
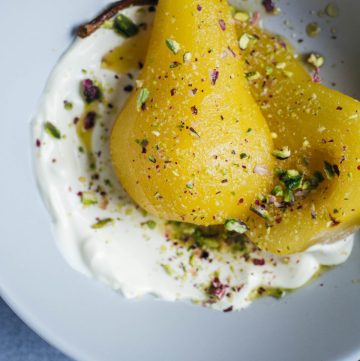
x,y
88,28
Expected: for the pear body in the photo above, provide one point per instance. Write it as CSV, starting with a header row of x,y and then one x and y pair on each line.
x,y
318,125
191,144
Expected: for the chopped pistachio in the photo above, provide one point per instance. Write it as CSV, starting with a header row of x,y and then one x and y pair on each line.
x,y
192,260
125,26
109,24
292,179
102,223
52,130
68,105
316,179
278,293
268,70
242,16
88,198
261,212
174,64
152,159
281,65
235,225
173,45
210,243
187,57
283,153
277,191
329,170
245,40
168,269
139,83
190,185
306,185
142,98
306,144
142,142
332,10
157,195
288,196
316,60
313,29
233,10
252,75
151,224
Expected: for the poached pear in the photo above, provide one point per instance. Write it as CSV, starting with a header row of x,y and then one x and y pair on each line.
x,y
321,130
191,144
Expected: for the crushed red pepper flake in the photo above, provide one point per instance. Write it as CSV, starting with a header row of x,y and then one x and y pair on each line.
x,y
269,6
214,76
222,24
258,261
231,52
89,120
217,288
90,91
194,110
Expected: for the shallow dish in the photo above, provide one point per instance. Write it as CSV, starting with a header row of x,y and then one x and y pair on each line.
x,y
90,322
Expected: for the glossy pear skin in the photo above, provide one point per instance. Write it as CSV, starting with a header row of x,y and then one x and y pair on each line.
x,y
318,124
190,151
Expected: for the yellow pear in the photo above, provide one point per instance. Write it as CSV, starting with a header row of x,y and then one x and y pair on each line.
x,y
191,144
321,128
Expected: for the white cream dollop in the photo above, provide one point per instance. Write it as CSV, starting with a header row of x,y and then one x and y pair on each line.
x,y
126,253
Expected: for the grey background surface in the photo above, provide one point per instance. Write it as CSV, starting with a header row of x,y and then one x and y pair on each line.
x,y
19,343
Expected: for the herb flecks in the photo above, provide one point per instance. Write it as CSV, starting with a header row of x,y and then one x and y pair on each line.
x,y
261,212
88,198
331,170
313,29
242,16
282,154
252,75
52,130
125,26
101,223
143,144
68,105
150,224
236,225
142,98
